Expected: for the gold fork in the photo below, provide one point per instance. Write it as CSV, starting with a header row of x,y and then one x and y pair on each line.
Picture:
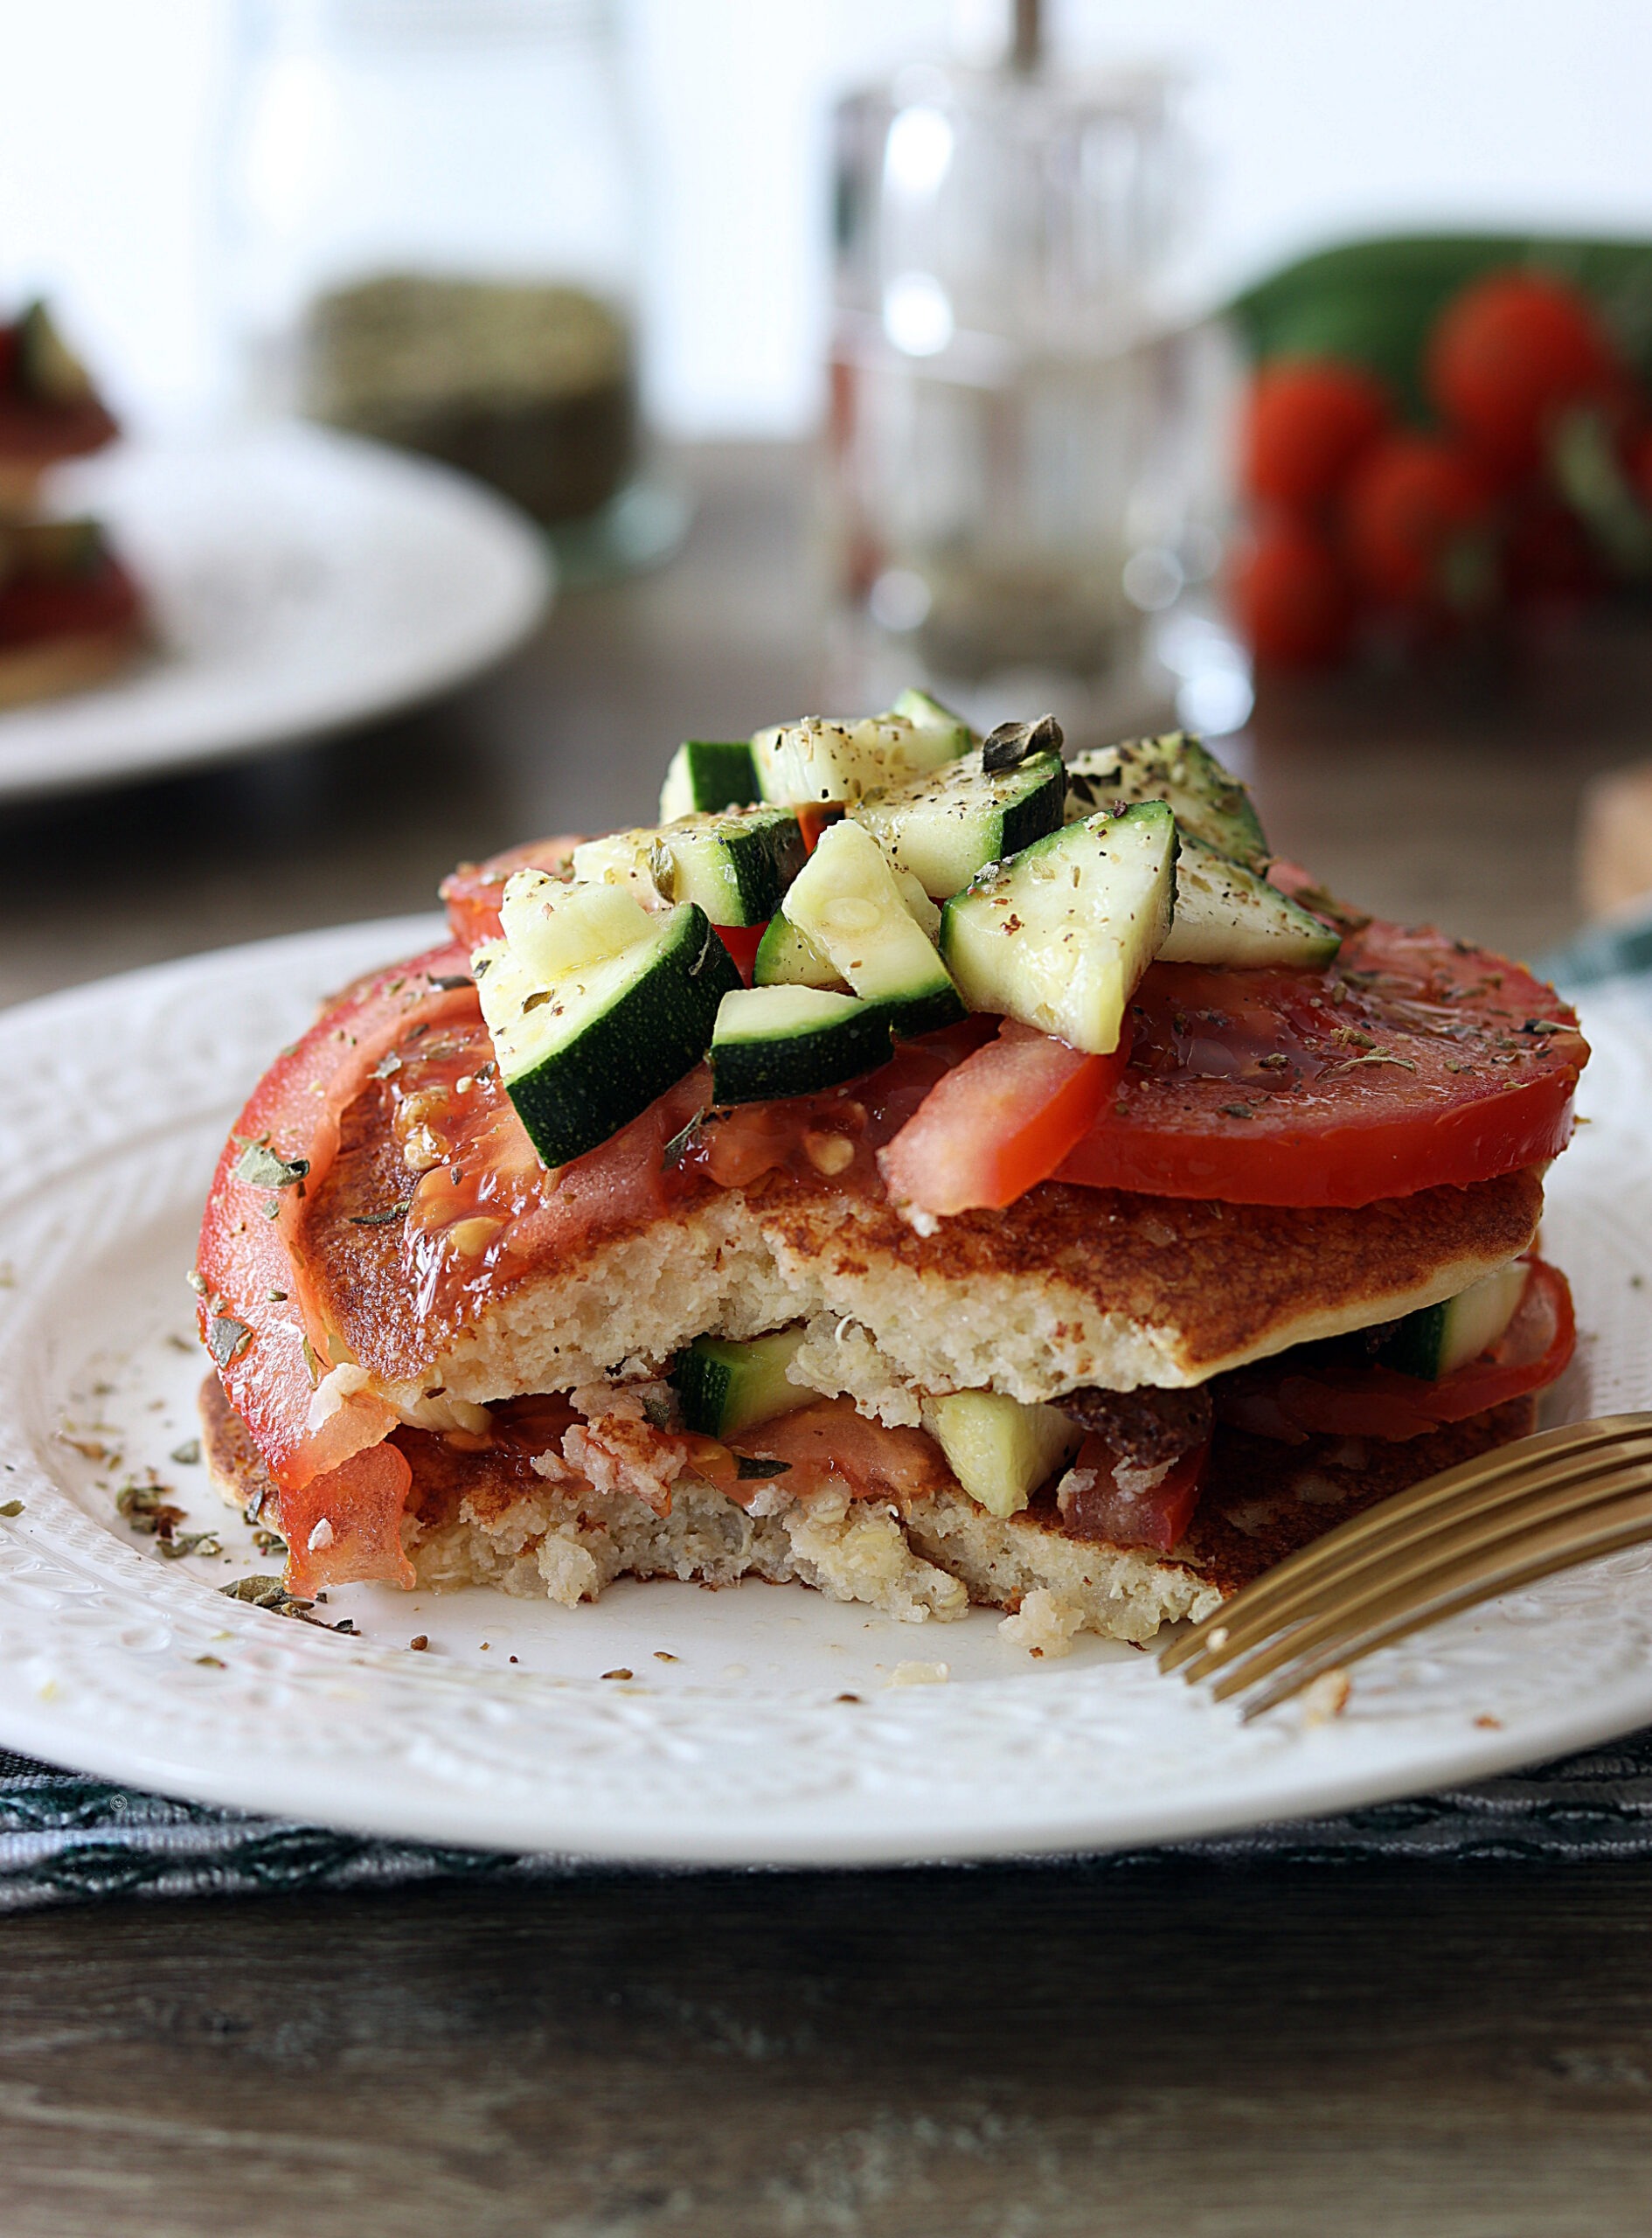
x,y
1502,1521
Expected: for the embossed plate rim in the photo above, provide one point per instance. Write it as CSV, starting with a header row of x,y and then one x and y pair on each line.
x,y
97,1644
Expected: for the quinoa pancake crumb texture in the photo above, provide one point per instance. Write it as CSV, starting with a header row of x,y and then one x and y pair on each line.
x,y
490,1517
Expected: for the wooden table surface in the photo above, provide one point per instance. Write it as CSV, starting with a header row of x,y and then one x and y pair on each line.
x,y
1454,2052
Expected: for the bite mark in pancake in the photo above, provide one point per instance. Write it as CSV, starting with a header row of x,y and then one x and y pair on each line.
x,y
488,1518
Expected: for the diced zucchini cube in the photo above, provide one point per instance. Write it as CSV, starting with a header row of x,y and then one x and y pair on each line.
x,y
1059,934
847,901
1000,1450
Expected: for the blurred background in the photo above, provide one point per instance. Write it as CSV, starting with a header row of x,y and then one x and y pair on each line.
x,y
1312,125
844,346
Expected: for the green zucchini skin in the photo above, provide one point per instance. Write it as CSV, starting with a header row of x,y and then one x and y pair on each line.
x,y
947,825
724,1387
1209,800
596,1078
708,774
911,1015
787,958
772,1042
1437,1339
735,864
764,859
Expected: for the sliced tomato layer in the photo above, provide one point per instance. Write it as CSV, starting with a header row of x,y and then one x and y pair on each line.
x,y
830,1439
471,894
998,1123
1413,1061
736,1147
1102,1498
1291,1402
260,1315
346,1525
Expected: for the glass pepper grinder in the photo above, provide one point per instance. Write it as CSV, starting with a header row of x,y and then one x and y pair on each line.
x,y
1019,395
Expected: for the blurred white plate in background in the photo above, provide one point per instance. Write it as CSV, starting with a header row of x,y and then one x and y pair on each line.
x,y
300,581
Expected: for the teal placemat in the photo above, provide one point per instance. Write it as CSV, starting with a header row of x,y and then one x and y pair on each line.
x,y
66,1839
1618,951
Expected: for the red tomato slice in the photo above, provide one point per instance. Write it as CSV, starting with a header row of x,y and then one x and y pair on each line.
x,y
346,1524
472,893
260,1316
741,942
997,1123
1099,1506
1378,1403
831,1438
1413,1060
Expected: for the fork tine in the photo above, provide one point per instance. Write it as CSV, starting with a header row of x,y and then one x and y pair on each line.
x,y
1449,1553
1254,1608
1569,1444
1368,1562
1563,1545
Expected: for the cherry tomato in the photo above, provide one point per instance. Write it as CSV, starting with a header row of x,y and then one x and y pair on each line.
x,y
1292,597
1308,421
1547,553
1419,526
1510,353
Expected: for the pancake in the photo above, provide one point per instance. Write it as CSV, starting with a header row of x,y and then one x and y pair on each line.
x,y
489,1517
1067,1287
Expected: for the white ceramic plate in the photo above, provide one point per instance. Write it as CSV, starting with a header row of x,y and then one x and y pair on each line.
x,y
300,581
774,1733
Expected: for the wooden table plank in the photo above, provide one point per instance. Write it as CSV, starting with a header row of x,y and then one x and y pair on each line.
x,y
1208,2052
